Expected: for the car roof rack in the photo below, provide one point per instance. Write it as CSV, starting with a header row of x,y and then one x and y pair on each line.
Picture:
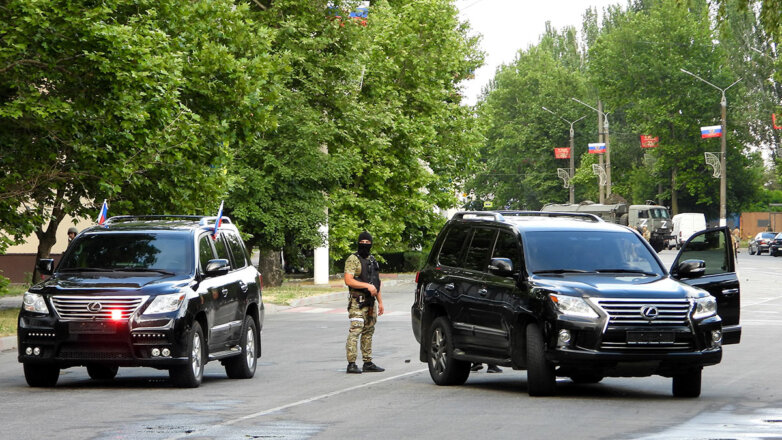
x,y
478,215
573,215
202,220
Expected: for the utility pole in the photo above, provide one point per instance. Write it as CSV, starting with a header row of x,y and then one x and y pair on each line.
x,y
603,136
572,197
723,146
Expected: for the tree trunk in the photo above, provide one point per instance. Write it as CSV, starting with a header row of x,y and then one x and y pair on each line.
x,y
47,239
270,265
674,194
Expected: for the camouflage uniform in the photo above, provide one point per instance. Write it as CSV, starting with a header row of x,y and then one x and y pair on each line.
x,y
362,319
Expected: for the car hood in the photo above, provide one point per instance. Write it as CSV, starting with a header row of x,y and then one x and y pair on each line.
x,y
121,283
616,286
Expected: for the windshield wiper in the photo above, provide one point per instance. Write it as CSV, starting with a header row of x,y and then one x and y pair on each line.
x,y
561,271
651,274
84,269
142,269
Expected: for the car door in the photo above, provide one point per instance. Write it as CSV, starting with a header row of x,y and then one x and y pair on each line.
x,y
227,301
713,246
244,285
211,290
479,326
446,282
497,307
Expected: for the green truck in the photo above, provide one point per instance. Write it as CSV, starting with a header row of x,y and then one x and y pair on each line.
x,y
655,217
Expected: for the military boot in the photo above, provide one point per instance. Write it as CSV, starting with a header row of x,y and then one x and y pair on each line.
x,y
370,367
353,368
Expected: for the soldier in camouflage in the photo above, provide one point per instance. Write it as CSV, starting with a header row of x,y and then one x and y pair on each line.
x,y
363,280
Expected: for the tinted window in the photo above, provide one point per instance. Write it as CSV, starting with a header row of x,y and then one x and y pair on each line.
x,y
168,252
451,251
507,247
588,251
659,213
205,252
237,250
477,257
711,248
221,248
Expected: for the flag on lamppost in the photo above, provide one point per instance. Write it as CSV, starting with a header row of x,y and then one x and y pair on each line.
x,y
647,141
774,121
712,131
562,153
597,148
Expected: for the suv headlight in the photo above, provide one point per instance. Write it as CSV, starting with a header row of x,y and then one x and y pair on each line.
x,y
705,307
165,304
573,306
34,302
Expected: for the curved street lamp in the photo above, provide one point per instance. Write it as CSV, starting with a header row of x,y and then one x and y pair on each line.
x,y
572,164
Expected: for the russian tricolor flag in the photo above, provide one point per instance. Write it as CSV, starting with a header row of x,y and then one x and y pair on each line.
x,y
104,210
218,221
713,131
597,148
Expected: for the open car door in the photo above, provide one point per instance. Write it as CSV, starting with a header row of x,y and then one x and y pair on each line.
x,y
715,248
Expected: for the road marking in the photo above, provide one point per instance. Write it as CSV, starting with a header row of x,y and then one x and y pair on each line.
x,y
291,405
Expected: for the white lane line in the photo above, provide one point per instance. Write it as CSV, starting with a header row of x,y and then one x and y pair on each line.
x,y
291,405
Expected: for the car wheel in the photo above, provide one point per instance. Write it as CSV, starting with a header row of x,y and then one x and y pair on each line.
x,y
41,375
190,375
541,380
687,384
102,372
243,366
444,369
751,250
586,378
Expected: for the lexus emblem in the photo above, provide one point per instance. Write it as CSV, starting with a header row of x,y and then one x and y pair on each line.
x,y
649,312
94,306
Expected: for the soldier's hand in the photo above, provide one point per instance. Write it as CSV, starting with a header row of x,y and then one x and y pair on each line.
x,y
380,309
372,289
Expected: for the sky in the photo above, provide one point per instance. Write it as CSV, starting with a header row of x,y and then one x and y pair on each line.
x,y
510,25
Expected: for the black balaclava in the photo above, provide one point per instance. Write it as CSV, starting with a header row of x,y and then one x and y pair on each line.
x,y
363,248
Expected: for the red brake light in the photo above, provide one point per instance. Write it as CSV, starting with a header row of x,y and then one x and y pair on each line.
x,y
416,277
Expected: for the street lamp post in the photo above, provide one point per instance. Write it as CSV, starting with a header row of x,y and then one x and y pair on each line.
x,y
607,142
723,146
572,197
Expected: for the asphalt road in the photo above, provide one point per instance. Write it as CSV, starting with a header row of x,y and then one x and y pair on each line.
x,y
301,390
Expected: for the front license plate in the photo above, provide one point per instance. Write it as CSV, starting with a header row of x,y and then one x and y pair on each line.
x,y
650,338
91,327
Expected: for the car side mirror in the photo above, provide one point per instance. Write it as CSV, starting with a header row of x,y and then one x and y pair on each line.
x,y
219,266
46,266
501,267
691,269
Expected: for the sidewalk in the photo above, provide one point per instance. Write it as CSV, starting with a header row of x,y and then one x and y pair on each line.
x,y
15,302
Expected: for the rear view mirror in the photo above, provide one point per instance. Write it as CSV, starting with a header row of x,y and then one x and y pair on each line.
x,y
501,267
46,266
217,267
691,268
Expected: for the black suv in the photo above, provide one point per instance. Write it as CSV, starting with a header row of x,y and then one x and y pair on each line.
x,y
150,291
569,295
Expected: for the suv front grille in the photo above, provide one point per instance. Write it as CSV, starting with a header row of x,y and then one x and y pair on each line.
x,y
99,308
629,312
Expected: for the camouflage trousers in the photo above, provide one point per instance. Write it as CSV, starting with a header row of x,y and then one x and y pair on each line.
x,y
362,323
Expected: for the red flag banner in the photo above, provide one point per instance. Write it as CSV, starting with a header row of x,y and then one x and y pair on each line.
x,y
648,141
774,121
562,153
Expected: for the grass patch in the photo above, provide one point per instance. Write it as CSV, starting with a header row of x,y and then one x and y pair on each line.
x,y
8,321
287,293
14,290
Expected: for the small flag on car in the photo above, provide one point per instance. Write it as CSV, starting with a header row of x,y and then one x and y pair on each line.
x,y
712,131
218,221
104,210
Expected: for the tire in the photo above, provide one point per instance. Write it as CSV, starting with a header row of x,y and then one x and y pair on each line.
x,y
586,378
541,380
41,375
243,366
751,251
190,375
443,368
102,372
687,384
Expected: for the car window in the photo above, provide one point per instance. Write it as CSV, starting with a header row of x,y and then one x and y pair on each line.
x,y
507,247
588,251
477,257
451,251
205,252
767,235
221,248
237,250
117,251
711,248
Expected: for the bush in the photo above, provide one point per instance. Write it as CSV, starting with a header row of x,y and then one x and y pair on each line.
x,y
4,282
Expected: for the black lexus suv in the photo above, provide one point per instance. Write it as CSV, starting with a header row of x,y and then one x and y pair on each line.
x,y
145,291
569,295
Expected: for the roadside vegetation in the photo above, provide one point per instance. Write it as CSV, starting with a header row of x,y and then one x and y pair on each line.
x,y
8,322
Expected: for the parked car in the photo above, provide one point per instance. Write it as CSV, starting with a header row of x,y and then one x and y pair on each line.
x,y
569,295
761,242
165,292
686,224
775,247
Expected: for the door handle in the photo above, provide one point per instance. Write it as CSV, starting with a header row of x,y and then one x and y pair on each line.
x,y
224,291
243,286
482,292
449,286
729,292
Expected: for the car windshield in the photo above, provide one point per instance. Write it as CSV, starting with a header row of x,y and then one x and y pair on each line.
x,y
767,235
659,213
155,252
588,251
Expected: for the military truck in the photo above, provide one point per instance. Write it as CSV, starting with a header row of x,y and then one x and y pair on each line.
x,y
654,217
